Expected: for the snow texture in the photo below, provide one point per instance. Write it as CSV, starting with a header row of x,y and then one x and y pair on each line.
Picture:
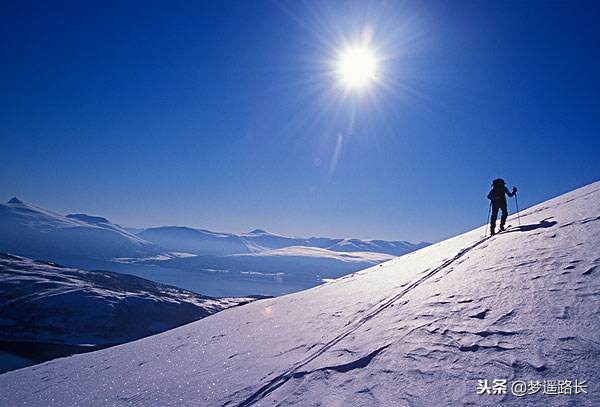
x,y
419,330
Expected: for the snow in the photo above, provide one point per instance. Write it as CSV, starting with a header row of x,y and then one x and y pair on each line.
x,y
421,329
44,302
205,242
31,231
196,241
179,255
271,272
294,262
257,232
315,252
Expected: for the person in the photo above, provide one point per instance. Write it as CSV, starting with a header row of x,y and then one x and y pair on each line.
x,y
497,196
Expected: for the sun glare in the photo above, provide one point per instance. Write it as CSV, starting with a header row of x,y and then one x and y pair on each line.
x,y
357,67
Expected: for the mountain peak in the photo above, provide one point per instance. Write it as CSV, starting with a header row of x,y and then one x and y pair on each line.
x,y
15,200
258,232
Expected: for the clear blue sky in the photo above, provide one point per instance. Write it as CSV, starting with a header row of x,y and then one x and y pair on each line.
x,y
224,115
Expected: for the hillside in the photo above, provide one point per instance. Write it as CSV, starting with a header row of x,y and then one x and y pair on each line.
x,y
31,231
48,305
421,329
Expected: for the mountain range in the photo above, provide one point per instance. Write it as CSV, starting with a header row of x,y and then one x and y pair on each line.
x,y
257,262
31,231
206,242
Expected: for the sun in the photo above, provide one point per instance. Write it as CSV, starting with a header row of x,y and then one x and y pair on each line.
x,y
356,67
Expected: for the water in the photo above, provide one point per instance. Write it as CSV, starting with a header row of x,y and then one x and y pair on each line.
x,y
214,283
16,355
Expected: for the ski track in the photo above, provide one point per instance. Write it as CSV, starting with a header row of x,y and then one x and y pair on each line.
x,y
375,310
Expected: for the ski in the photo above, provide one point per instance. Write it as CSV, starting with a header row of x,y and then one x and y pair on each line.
x,y
501,231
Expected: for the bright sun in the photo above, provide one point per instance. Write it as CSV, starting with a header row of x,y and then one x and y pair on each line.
x,y
357,67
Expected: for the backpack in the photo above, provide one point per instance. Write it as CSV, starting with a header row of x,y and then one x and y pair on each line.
x,y
497,191
498,183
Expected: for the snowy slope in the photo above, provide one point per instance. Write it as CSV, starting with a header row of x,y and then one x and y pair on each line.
x,y
421,329
45,302
32,231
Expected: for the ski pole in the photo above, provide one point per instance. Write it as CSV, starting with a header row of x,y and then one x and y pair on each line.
x,y
487,220
517,204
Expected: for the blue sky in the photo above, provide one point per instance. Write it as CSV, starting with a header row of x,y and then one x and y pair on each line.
x,y
225,115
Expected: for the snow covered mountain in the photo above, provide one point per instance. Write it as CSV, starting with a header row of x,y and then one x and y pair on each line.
x,y
395,248
205,242
197,241
42,301
32,231
298,263
46,303
431,328
225,264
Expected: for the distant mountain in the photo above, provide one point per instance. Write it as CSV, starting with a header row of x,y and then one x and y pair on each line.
x,y
303,261
35,232
205,242
97,221
396,248
213,263
196,241
134,231
46,303
308,266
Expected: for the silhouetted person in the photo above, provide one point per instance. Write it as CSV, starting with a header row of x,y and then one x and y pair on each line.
x,y
498,197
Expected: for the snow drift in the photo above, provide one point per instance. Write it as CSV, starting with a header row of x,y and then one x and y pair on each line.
x,y
421,329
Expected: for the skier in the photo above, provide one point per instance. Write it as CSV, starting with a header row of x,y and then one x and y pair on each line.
x,y
498,201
